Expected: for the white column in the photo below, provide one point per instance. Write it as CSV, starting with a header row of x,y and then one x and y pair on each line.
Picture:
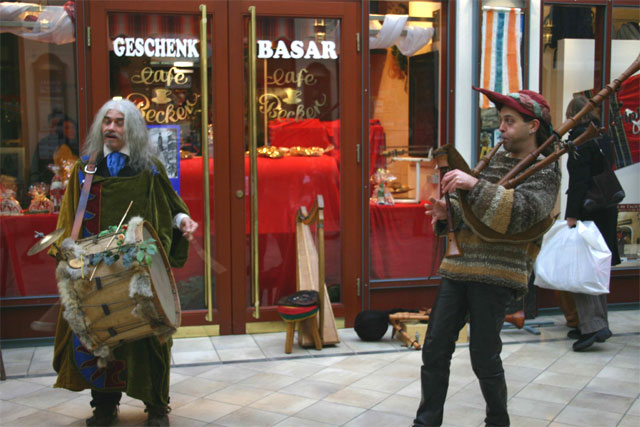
x,y
465,41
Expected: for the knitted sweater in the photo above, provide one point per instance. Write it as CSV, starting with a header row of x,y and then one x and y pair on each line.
x,y
506,211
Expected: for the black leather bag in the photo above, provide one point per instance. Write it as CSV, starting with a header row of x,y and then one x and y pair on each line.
x,y
604,190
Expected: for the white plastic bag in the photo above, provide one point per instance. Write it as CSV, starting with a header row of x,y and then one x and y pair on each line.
x,y
574,259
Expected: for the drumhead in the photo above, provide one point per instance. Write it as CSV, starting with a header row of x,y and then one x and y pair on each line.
x,y
164,285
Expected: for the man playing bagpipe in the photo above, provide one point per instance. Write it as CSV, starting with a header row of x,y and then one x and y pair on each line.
x,y
481,281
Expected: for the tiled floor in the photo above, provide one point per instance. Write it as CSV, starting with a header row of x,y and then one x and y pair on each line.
x,y
247,380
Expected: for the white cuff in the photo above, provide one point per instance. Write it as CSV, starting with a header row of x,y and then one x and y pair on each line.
x,y
177,220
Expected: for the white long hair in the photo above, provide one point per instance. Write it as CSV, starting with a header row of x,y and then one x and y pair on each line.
x,y
136,135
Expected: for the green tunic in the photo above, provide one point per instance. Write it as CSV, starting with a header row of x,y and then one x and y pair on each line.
x,y
146,362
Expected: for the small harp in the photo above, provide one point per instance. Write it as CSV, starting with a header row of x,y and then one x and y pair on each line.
x,y
310,271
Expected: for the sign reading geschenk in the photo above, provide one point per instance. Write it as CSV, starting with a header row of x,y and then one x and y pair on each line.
x,y
294,93
157,47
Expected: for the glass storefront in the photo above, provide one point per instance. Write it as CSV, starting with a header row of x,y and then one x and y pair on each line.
x,y
38,137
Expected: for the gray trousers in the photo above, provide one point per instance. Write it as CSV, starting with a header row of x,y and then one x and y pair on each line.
x,y
592,312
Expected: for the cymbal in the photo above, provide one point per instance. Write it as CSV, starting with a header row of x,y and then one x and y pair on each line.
x,y
46,241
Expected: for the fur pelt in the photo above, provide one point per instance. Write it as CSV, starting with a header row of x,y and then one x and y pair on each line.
x,y
141,291
72,287
130,235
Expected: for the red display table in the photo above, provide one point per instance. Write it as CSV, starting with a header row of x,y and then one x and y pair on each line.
x,y
402,242
24,275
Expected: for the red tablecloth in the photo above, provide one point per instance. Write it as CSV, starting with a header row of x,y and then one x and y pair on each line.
x,y
402,242
24,275
284,185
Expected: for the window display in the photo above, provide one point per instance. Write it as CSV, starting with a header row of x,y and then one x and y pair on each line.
x,y
405,45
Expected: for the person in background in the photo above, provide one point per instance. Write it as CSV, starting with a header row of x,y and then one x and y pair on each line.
x,y
126,170
588,161
63,131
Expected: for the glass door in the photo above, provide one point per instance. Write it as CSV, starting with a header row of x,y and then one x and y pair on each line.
x,y
307,105
302,146
155,59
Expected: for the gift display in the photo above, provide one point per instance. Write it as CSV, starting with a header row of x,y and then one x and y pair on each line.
x,y
40,203
57,188
273,152
381,182
8,204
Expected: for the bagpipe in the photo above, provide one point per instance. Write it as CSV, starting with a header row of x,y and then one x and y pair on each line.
x,y
448,158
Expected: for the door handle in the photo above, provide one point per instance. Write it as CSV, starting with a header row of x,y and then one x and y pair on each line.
x,y
208,289
253,163
239,194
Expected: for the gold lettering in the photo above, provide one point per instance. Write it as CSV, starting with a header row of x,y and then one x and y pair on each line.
x,y
171,114
271,106
279,77
148,76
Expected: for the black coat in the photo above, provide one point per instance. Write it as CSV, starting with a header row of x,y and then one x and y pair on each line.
x,y
586,162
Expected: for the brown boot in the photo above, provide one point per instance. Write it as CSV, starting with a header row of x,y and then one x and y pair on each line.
x,y
158,415
103,415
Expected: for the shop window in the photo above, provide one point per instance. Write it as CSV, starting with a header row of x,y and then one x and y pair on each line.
x,y
575,43
568,55
502,62
38,136
625,129
299,139
406,44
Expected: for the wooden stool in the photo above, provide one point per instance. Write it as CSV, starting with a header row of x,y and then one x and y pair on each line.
x,y
305,318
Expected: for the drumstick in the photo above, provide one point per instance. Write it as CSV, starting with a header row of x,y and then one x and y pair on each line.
x,y
217,267
112,237
118,228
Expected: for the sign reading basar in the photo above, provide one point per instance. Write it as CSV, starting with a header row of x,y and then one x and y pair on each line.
x,y
296,50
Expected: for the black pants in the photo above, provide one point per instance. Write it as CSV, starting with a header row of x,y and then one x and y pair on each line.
x,y
486,306
109,398
105,398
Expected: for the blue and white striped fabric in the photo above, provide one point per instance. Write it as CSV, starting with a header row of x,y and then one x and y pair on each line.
x,y
501,69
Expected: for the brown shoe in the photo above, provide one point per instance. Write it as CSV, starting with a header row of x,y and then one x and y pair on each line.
x,y
103,415
158,415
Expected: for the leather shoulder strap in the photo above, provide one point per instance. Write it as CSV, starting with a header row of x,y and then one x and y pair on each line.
x,y
89,171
